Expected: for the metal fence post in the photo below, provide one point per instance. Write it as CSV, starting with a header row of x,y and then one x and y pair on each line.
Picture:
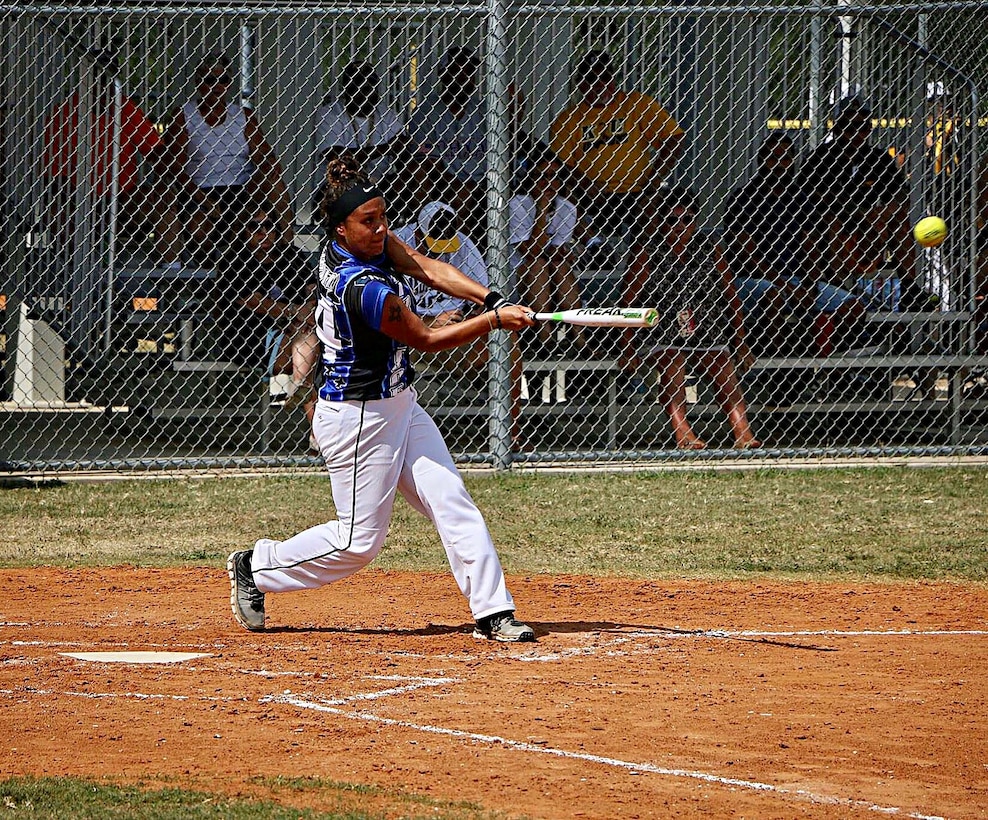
x,y
498,171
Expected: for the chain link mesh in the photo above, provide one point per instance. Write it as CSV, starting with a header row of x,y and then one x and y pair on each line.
x,y
753,173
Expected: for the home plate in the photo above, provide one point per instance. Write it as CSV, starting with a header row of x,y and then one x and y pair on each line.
x,y
136,657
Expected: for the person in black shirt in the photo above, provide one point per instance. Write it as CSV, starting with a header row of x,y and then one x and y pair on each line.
x,y
858,202
783,291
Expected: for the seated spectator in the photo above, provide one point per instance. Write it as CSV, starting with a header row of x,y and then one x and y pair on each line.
x,y
858,205
220,165
619,145
766,242
541,225
437,234
449,128
358,123
137,204
265,285
685,276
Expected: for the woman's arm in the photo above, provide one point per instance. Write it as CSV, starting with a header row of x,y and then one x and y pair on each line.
x,y
402,324
433,272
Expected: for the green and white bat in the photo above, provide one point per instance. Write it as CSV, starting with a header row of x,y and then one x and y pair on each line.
x,y
603,317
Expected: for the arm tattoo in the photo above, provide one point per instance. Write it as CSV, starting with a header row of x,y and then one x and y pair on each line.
x,y
394,313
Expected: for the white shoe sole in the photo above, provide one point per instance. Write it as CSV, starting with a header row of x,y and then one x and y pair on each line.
x,y
524,637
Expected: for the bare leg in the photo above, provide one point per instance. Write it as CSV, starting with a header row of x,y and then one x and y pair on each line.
x,y
564,283
305,355
300,351
672,385
721,371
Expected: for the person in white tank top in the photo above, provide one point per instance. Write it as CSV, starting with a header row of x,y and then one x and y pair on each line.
x,y
220,166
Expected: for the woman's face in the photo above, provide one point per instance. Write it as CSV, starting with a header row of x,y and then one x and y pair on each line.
x,y
679,225
364,230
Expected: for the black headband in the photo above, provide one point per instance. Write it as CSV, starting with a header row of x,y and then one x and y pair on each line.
x,y
350,200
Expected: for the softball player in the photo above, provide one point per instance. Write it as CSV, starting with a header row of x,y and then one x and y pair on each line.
x,y
373,435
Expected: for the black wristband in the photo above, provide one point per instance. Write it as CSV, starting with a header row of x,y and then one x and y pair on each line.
x,y
494,300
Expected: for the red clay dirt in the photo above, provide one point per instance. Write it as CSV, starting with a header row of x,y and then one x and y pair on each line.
x,y
640,699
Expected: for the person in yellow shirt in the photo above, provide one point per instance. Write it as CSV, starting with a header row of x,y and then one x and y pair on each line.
x,y
620,146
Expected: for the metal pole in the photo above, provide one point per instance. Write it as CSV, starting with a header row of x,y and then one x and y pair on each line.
x,y
846,25
498,172
247,58
84,199
111,256
972,222
813,103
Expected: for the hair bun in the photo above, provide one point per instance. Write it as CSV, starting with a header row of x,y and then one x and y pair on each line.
x,y
341,170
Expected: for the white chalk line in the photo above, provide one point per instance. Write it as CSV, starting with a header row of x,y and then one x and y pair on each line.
x,y
120,695
333,707
415,683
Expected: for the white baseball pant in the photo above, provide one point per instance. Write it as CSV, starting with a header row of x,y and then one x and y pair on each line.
x,y
371,449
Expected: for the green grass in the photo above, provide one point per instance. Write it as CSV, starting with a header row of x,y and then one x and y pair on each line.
x,y
68,798
869,523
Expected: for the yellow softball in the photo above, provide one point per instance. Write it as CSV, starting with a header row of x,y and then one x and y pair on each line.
x,y
930,231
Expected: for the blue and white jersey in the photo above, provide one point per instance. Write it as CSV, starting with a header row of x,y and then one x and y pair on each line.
x,y
359,362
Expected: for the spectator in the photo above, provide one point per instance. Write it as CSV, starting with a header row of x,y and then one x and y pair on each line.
x,y
437,235
137,204
449,128
766,238
358,123
941,139
620,145
943,187
220,164
542,223
685,276
858,202
268,284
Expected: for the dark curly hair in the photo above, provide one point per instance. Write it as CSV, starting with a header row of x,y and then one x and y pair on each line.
x,y
342,174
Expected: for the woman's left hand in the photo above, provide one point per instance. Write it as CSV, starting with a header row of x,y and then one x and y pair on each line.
x,y
514,317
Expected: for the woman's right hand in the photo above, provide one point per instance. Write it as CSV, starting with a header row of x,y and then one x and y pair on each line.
x,y
513,317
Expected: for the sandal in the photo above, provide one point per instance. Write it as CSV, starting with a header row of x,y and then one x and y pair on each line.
x,y
750,444
691,443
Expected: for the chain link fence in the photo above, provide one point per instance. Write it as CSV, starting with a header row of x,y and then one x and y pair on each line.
x,y
753,173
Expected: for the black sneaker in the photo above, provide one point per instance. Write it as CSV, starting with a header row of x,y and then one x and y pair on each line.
x,y
246,600
503,627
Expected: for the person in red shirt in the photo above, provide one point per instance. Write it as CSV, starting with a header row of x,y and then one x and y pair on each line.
x,y
138,138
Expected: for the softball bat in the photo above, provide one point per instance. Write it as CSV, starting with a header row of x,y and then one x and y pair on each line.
x,y
602,317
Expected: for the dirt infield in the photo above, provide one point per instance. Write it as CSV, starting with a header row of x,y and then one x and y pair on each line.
x,y
640,699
